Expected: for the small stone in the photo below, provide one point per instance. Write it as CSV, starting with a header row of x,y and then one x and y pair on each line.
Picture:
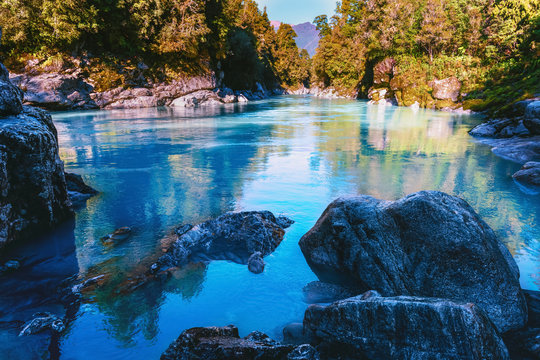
x,y
42,322
119,234
12,265
256,263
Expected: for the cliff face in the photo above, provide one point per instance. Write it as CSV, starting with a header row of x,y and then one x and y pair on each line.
x,y
33,194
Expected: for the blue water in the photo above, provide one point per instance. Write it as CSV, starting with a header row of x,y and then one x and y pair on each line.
x,y
159,168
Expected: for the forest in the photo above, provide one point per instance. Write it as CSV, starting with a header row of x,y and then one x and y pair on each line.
x,y
492,47
170,37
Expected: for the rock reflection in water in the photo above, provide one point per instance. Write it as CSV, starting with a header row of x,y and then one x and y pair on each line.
x,y
36,287
130,300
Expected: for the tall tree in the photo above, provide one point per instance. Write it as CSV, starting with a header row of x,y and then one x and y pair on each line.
x,y
436,30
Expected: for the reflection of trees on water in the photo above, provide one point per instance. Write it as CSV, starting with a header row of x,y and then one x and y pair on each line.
x,y
391,152
131,302
155,170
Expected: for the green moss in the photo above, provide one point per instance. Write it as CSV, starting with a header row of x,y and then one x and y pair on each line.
x,y
441,104
474,104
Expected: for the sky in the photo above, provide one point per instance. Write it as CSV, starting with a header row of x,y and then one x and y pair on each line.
x,y
297,11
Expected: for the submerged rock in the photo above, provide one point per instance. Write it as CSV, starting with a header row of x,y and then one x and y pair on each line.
x,y
256,263
232,236
42,322
9,266
529,173
225,343
294,334
373,327
117,235
427,244
93,281
78,190
181,230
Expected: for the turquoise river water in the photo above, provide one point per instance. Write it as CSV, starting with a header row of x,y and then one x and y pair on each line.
x,y
159,168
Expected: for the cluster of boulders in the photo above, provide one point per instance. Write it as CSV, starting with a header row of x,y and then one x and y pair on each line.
x,y
516,138
434,283
69,89
525,122
242,237
220,96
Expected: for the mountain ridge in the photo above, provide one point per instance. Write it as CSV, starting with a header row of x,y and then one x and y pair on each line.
x,y
307,35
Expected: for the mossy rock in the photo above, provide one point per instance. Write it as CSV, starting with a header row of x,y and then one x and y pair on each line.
x,y
474,104
447,103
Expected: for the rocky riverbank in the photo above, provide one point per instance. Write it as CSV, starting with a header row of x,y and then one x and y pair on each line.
x,y
434,280
69,89
34,195
517,139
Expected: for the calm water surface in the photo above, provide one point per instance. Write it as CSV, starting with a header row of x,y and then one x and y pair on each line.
x,y
159,168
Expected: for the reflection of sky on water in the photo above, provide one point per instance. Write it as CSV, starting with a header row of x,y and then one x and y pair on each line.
x,y
293,155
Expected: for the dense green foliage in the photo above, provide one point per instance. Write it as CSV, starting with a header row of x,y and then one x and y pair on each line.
x,y
171,36
491,46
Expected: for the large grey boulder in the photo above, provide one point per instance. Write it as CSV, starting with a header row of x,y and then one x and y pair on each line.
x,y
223,343
518,150
33,195
428,244
373,327
234,236
529,173
10,95
531,119
446,89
